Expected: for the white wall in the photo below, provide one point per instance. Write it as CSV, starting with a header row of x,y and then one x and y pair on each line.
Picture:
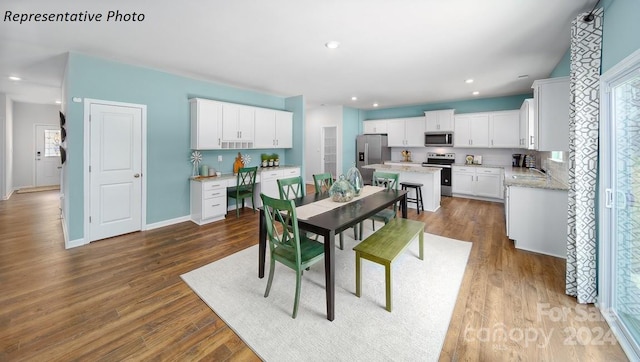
x,y
25,117
316,119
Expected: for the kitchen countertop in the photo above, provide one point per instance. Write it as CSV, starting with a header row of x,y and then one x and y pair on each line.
x,y
411,168
531,178
476,165
232,176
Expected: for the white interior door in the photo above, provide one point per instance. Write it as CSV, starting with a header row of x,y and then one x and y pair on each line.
x,y
329,150
47,155
115,170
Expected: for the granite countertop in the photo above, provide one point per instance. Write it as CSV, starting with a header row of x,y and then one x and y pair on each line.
x,y
232,176
476,165
525,177
281,167
411,168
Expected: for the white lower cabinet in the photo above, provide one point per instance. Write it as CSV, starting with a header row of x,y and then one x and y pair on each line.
x,y
208,201
477,181
269,183
537,220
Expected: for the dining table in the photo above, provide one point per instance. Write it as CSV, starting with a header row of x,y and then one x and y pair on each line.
x,y
331,222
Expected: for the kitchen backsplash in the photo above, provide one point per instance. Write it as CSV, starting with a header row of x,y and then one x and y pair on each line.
x,y
558,170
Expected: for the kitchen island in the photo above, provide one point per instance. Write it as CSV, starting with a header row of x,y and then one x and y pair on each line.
x,y
429,177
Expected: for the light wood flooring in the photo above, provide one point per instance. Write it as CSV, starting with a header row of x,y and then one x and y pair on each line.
x,y
123,299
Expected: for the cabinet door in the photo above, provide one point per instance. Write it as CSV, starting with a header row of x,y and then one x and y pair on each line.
x,y
265,125
552,113
504,129
375,127
268,183
284,129
488,185
414,132
395,132
462,131
206,117
237,122
436,121
479,130
462,182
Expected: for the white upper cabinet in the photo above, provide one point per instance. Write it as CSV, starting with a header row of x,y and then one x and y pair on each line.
x,y
437,121
206,130
551,113
405,132
237,122
471,130
528,126
504,129
273,128
377,126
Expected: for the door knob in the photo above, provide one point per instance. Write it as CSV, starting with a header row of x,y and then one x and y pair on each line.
x,y
136,175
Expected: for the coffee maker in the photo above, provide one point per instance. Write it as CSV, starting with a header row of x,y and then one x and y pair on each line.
x,y
516,160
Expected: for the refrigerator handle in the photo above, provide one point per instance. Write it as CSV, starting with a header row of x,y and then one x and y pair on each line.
x,y
366,153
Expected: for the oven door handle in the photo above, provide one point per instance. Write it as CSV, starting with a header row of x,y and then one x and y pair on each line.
x,y
436,165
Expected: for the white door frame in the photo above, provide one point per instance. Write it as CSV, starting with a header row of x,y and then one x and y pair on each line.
x,y
87,158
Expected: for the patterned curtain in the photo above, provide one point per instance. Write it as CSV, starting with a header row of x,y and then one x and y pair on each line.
x,y
586,41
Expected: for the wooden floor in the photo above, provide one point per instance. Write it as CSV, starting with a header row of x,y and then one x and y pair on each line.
x,y
122,298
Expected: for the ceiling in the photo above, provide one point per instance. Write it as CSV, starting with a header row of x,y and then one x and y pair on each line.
x,y
393,53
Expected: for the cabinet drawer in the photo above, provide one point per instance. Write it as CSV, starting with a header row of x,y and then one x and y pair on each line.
x,y
207,186
209,194
214,207
270,175
489,171
293,172
464,169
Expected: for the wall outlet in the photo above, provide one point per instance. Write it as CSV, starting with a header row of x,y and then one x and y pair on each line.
x,y
220,158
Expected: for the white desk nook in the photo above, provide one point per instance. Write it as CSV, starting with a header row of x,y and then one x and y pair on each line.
x,y
209,194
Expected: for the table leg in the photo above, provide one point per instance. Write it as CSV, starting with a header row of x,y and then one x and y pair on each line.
x,y
403,206
329,272
262,244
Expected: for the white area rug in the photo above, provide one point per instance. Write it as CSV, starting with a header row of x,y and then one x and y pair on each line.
x,y
424,294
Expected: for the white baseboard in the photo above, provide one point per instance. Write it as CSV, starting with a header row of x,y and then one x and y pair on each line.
x,y
164,223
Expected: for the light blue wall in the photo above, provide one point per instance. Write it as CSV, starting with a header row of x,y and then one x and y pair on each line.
x,y
466,106
168,130
562,69
621,31
351,127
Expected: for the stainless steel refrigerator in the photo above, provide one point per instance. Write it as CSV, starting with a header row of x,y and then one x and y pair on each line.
x,y
371,149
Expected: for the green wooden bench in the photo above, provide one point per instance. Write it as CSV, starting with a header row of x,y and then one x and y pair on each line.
x,y
384,246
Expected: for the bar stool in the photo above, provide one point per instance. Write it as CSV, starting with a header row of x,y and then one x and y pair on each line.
x,y
418,199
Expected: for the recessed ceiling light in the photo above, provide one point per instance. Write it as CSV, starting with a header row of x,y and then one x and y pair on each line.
x,y
468,81
354,98
13,77
58,102
332,44
475,93
375,104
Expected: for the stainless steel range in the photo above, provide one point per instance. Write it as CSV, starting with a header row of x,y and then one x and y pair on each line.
x,y
443,160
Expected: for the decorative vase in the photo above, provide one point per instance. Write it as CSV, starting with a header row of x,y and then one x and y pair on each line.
x,y
355,179
270,163
341,190
204,170
238,164
265,163
276,163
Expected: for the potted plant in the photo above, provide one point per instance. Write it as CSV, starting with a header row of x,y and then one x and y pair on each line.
x,y
276,159
265,159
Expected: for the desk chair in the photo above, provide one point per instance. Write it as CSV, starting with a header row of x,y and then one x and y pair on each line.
x,y
246,185
290,248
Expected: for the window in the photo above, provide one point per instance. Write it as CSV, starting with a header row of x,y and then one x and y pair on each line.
x,y
51,143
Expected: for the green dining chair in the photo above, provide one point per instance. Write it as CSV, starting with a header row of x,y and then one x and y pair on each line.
x,y
388,180
291,188
246,186
322,183
288,247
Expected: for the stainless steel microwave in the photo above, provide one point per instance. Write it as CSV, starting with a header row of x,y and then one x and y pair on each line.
x,y
438,139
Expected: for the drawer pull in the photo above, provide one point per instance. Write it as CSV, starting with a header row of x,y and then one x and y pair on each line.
x,y
215,205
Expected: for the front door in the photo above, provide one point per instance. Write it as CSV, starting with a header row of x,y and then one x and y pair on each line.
x,y
115,170
47,157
